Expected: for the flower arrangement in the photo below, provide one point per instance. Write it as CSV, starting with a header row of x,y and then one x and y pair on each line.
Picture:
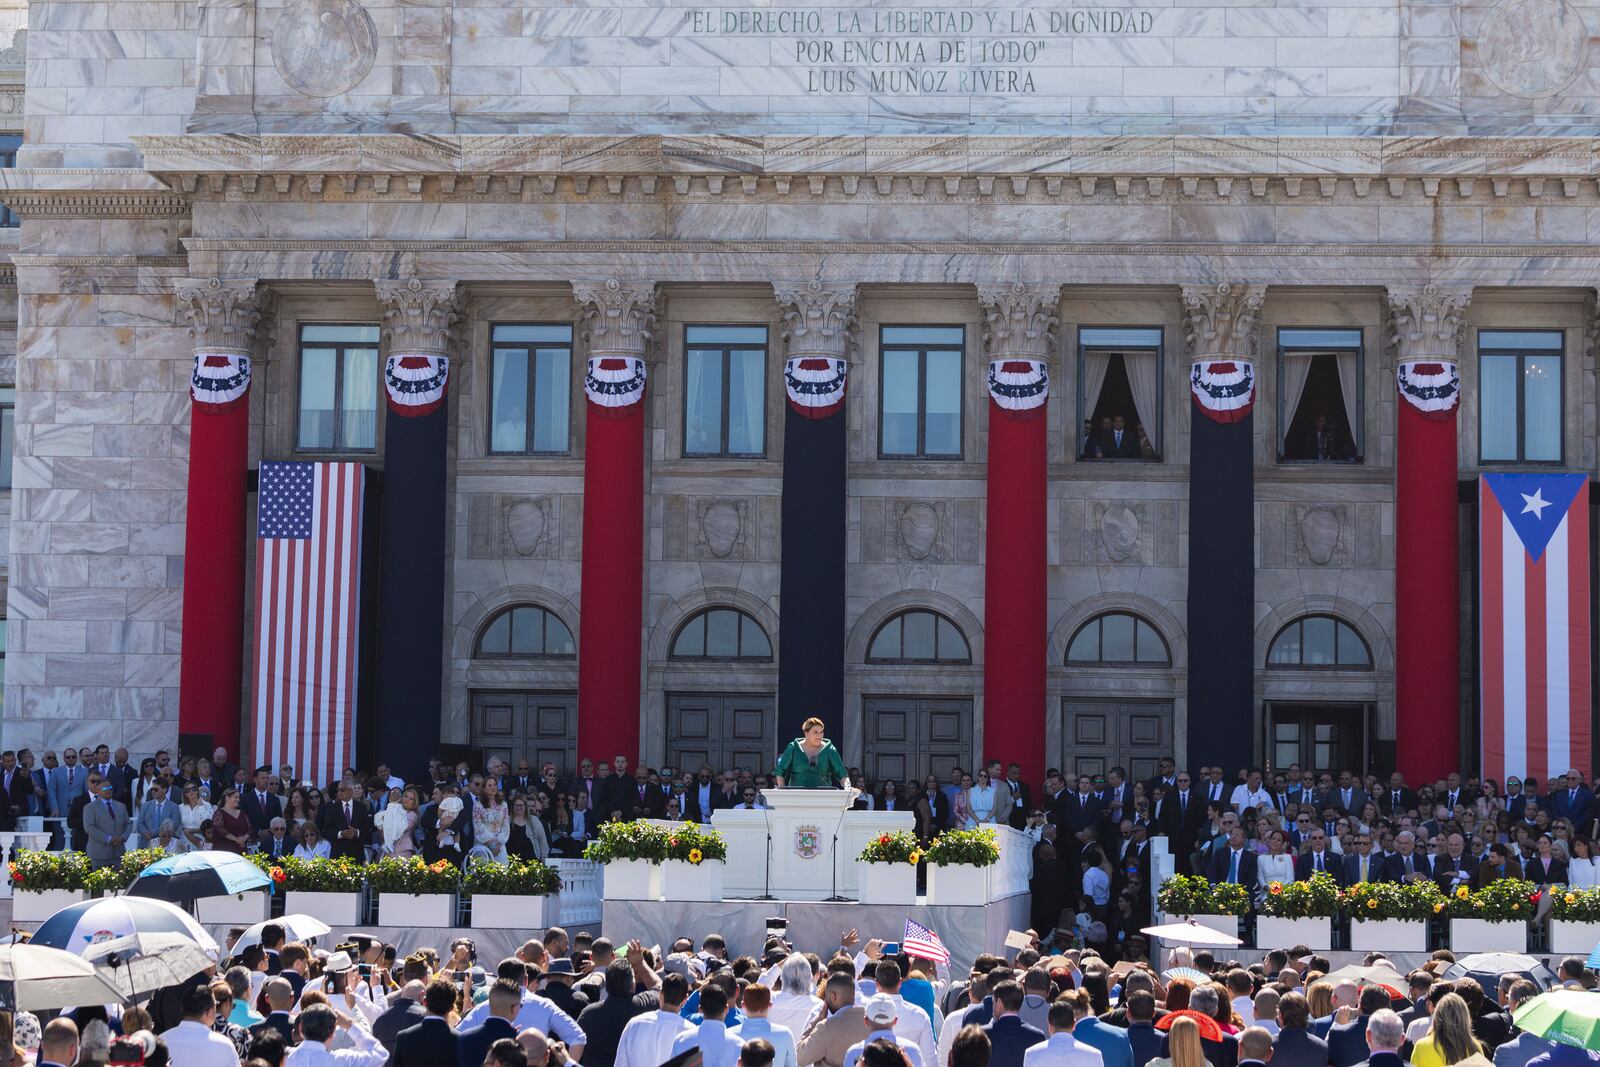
x,y
901,846
343,875
1185,894
1410,901
976,848
628,841
1505,900
414,876
39,871
694,845
1315,898
1576,905
514,878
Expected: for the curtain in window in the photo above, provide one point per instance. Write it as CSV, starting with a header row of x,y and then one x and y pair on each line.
x,y
1094,378
1350,387
1296,369
360,400
702,422
1143,373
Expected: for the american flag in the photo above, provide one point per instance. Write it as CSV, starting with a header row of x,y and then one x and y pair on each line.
x,y
1533,623
308,591
923,943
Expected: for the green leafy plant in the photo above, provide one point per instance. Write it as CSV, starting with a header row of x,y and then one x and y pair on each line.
x,y
691,844
901,846
1576,905
1315,898
343,875
1506,900
1191,894
520,878
1409,901
413,876
975,848
38,871
628,841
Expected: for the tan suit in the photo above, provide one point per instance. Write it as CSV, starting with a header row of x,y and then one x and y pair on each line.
x,y
828,1039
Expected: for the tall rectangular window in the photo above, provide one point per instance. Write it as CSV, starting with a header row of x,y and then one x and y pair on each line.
x,y
1319,395
920,391
530,377
1119,398
8,430
724,391
338,388
1519,412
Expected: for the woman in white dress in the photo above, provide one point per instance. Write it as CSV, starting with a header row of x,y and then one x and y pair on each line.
x,y
193,811
491,822
311,846
981,798
1582,872
1277,865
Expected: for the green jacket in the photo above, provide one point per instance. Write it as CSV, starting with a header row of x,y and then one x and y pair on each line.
x,y
798,772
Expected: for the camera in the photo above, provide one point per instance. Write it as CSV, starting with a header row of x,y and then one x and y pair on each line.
x,y
777,926
891,948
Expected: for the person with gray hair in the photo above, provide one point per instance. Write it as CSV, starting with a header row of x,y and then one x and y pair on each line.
x,y
796,1004
1385,1034
318,1025
238,979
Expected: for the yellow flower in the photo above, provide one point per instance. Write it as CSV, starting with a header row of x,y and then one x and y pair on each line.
x,y
1274,888
1372,904
915,858
1516,907
1461,893
1437,908
1572,898
694,855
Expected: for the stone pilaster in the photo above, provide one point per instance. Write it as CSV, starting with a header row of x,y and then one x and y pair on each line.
x,y
618,316
817,318
420,317
223,315
1221,321
1425,321
1019,320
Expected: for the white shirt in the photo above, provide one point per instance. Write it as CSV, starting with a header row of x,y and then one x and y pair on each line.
x,y
1097,886
1246,1007
647,1039
913,1025
365,1052
1582,873
853,1055
794,1010
1062,1050
782,1039
717,1047
192,1044
1244,798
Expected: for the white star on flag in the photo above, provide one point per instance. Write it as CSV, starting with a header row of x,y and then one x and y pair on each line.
x,y
1535,503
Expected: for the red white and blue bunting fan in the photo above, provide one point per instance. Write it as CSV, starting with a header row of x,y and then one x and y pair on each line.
x,y
416,384
1019,387
1223,389
614,384
220,381
1431,386
815,385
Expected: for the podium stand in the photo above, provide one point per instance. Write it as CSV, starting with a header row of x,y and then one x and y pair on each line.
x,y
794,840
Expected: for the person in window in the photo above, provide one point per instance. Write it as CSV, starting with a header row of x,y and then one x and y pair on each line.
x,y
1327,443
1089,442
1146,449
1118,441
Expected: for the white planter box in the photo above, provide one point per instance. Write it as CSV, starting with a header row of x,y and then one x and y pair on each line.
x,y
1569,938
632,880
1480,935
421,909
493,911
682,880
335,909
887,883
37,907
1389,935
1223,924
246,908
958,883
1274,933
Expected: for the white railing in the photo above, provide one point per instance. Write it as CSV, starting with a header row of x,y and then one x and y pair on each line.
x,y
1015,869
17,841
582,883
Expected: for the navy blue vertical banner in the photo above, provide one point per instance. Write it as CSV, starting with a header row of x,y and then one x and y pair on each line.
x,y
811,589
1221,591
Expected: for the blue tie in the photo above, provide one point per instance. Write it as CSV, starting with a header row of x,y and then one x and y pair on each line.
x,y
1233,867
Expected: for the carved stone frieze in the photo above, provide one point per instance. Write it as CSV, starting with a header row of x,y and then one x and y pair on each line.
x,y
223,315
1019,320
1220,320
1120,527
527,527
721,528
918,525
324,47
1425,321
419,316
618,316
817,318
1322,537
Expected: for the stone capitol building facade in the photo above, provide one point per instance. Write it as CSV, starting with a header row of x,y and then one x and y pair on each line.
x,y
1067,384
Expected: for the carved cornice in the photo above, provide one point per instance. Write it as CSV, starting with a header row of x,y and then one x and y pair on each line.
x,y
1019,320
33,204
223,315
817,318
617,315
1425,321
419,317
1219,321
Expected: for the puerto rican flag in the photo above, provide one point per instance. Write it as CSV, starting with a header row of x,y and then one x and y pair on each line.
x,y
1533,623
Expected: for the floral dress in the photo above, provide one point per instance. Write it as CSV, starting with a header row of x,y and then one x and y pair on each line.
x,y
491,829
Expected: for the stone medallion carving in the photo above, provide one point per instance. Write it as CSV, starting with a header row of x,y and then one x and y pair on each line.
x,y
721,527
526,522
1119,531
1320,529
1532,48
324,47
918,528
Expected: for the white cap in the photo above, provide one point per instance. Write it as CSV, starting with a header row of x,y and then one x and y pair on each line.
x,y
882,1010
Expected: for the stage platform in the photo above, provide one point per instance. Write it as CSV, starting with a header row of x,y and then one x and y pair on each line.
x,y
816,926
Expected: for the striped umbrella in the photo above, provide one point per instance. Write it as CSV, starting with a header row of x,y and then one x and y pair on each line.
x,y
78,926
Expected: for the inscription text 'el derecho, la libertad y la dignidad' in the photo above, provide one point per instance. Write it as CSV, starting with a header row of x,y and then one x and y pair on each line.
x,y
919,52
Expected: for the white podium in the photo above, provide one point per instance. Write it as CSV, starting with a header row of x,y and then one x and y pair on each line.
x,y
788,850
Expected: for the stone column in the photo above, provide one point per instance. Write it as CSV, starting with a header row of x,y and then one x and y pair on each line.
x,y
817,329
1220,324
223,319
618,319
1019,337
418,321
1425,329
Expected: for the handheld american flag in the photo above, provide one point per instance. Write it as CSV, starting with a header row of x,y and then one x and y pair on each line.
x,y
1533,623
308,595
923,943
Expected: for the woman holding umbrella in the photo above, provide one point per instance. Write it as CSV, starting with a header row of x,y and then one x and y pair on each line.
x,y
230,828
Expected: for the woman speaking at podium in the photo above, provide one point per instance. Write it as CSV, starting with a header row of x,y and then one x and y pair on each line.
x,y
811,761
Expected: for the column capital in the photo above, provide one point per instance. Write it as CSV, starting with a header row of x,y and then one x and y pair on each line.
x,y
1019,320
618,316
1220,319
224,315
1425,321
419,316
817,317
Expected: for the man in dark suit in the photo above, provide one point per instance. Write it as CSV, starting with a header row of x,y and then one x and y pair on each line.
x,y
1255,1047
431,1043
1236,863
1318,859
1119,442
1453,867
1021,796
1361,865
505,1000
1515,801
1382,1035
602,1023
1397,799
1347,1042
280,998
258,804
1143,1036
1183,812
346,825
1080,808
1296,1045
405,1013
701,797
1009,1037
1118,796
641,800
16,790
1348,797
1405,863
1571,802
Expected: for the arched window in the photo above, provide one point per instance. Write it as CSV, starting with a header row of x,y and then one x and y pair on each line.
x,y
526,630
1118,638
721,633
919,637
1319,641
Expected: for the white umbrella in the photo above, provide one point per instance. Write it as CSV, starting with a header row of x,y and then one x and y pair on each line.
x,y
139,964
296,927
1191,933
34,977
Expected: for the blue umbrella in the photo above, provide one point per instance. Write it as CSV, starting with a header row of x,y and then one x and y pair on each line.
x,y
78,926
198,874
1594,958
